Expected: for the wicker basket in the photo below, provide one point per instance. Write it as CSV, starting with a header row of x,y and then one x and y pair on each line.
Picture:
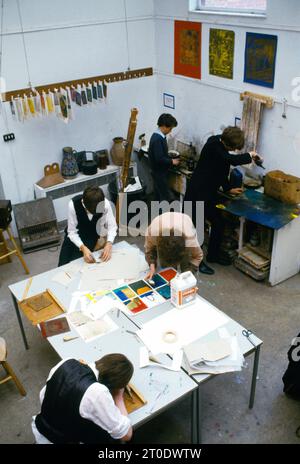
x,y
283,187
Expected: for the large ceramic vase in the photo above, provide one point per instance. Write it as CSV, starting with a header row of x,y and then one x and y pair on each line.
x,y
117,151
69,166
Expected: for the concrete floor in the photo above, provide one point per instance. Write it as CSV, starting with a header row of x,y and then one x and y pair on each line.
x,y
273,314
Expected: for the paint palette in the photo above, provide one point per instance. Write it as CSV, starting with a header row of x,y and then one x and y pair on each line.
x,y
141,295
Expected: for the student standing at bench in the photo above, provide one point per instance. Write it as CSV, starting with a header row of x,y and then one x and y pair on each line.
x,y
159,160
88,230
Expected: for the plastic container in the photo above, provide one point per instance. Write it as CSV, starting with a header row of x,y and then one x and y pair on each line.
x,y
183,289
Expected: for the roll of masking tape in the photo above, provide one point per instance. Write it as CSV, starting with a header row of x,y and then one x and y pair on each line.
x,y
170,337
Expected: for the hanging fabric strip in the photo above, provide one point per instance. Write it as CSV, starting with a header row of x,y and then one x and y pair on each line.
x,y
37,104
252,111
50,102
31,105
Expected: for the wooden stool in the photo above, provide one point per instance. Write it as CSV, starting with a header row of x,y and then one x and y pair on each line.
x,y
10,373
10,251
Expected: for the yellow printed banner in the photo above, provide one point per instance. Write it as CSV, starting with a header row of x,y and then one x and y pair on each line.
x,y
221,52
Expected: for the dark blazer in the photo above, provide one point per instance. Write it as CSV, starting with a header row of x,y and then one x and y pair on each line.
x,y
158,154
212,170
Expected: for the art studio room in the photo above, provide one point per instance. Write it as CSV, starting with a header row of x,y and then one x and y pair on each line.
x,y
149,222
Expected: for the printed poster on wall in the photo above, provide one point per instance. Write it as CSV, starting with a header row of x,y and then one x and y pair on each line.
x,y
260,57
187,49
221,51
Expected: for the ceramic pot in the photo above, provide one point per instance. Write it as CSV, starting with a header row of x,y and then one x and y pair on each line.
x,y
118,151
69,166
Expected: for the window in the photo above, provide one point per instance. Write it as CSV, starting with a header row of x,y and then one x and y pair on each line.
x,y
233,6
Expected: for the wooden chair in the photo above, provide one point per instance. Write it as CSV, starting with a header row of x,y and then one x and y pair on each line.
x,y
6,251
8,369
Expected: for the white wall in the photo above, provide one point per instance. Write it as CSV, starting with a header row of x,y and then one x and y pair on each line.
x,y
204,106
65,41
73,39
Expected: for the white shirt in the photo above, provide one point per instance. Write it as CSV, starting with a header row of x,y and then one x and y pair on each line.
x,y
107,224
158,131
97,405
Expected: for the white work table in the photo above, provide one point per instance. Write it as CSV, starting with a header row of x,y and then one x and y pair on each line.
x,y
234,328
161,388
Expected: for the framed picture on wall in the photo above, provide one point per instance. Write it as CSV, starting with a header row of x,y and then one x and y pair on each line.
x,y
260,57
221,52
169,101
187,49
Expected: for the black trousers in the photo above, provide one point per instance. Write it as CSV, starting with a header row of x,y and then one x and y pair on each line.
x,y
160,185
69,252
212,214
217,229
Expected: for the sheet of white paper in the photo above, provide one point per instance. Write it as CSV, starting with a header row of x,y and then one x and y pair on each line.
x,y
188,324
62,278
175,365
73,267
98,310
231,363
124,264
94,329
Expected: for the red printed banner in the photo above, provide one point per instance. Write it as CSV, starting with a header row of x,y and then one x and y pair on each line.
x,y
187,53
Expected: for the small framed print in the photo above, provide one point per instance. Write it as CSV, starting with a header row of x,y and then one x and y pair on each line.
x,y
169,101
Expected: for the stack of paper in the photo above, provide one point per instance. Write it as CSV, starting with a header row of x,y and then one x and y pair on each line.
x,y
219,355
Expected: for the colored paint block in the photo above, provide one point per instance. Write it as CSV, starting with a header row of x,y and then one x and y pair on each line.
x,y
168,274
158,281
140,287
135,305
165,291
124,293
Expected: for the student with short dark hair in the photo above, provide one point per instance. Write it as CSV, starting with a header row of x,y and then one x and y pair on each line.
x,y
172,240
83,403
211,173
159,160
88,214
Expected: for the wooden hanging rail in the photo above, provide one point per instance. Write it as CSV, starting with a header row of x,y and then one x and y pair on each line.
x,y
268,101
109,78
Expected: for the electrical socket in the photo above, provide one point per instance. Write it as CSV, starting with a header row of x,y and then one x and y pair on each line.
x,y
8,137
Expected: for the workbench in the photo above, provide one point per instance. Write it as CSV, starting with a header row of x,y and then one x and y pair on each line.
x,y
283,219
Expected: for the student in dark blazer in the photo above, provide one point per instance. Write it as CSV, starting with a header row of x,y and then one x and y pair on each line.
x,y
159,160
211,173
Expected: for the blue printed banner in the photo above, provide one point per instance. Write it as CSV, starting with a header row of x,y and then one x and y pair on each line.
x,y
260,57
